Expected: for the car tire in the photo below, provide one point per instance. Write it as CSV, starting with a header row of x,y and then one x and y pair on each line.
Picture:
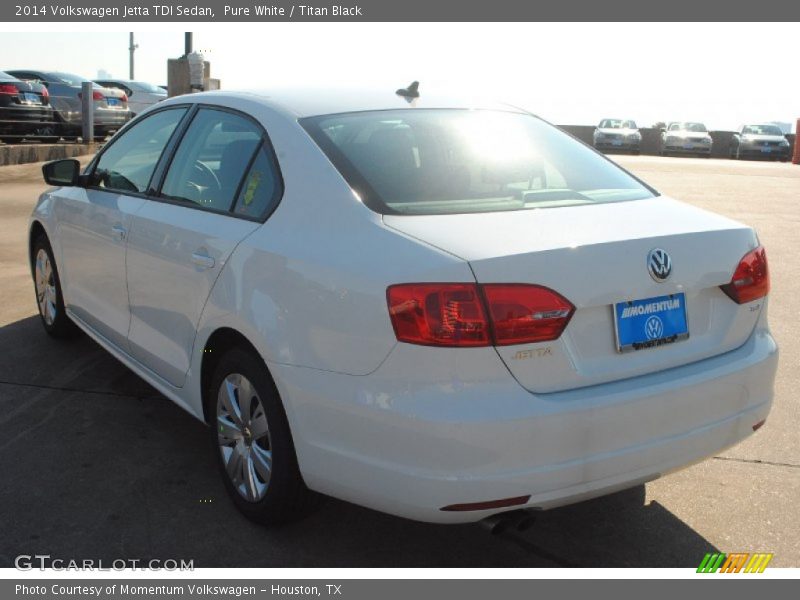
x,y
253,443
47,289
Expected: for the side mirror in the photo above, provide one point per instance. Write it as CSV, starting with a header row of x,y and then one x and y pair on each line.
x,y
62,172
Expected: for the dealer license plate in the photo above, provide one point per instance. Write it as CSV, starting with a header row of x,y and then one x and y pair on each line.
x,y
651,322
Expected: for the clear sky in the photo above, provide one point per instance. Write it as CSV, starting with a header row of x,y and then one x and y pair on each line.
x,y
578,73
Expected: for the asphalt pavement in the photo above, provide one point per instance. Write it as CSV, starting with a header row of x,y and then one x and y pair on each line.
x,y
97,464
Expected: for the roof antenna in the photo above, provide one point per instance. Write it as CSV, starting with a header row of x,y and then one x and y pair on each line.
x,y
412,91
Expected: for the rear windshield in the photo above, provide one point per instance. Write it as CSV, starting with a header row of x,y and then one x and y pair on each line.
x,y
417,161
143,86
68,78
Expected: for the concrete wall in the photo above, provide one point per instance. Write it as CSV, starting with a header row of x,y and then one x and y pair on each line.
x,y
651,139
17,154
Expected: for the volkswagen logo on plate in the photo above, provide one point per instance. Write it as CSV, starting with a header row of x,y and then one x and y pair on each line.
x,y
659,264
654,328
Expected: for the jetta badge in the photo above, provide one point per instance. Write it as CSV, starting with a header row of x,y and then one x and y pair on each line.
x,y
659,264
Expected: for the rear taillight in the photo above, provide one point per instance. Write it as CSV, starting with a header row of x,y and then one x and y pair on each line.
x,y
124,97
468,314
522,314
750,279
438,314
95,95
45,93
8,88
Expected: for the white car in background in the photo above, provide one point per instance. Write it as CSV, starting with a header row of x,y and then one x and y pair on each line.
x,y
435,308
686,137
617,135
141,94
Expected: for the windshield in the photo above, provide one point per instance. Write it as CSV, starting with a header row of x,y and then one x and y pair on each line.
x,y
695,127
143,86
617,124
466,161
762,130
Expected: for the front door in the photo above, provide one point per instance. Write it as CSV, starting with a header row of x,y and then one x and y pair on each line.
x,y
94,224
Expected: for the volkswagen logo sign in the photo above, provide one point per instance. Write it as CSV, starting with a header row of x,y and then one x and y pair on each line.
x,y
654,328
659,264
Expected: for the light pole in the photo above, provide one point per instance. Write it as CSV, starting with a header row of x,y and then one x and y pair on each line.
x,y
131,48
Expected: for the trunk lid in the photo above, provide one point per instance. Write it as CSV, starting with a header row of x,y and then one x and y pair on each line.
x,y
596,256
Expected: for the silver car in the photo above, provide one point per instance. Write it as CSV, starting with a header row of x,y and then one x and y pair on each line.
x,y
760,141
618,134
686,137
140,93
110,106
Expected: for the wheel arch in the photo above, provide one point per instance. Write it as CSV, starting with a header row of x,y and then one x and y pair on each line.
x,y
221,340
36,230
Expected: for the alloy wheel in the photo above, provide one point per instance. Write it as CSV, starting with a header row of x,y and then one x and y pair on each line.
x,y
243,437
46,293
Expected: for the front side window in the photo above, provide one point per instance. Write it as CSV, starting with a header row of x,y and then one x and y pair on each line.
x,y
417,161
128,163
211,160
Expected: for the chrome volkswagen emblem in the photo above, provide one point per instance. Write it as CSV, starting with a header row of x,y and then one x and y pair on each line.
x,y
659,264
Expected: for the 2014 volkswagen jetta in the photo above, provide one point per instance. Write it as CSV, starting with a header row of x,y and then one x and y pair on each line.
x,y
435,308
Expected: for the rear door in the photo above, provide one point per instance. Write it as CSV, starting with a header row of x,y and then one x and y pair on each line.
x,y
216,191
93,224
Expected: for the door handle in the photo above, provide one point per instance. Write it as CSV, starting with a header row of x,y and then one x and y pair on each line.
x,y
203,260
119,232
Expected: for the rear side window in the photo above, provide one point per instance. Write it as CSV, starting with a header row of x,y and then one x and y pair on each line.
x,y
128,163
442,161
212,159
260,191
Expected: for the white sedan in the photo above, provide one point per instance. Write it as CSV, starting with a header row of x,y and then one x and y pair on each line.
x,y
435,308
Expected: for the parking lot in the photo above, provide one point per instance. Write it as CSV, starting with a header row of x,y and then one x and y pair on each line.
x,y
97,464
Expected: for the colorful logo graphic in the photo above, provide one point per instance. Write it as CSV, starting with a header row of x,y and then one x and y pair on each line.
x,y
741,562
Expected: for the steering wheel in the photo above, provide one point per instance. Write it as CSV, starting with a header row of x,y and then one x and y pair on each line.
x,y
202,179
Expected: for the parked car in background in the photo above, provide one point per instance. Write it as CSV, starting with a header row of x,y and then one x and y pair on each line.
x,y
441,311
618,134
140,93
686,137
25,111
110,105
760,141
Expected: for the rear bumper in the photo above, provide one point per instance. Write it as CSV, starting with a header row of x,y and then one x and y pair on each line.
x,y
408,441
25,119
111,118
